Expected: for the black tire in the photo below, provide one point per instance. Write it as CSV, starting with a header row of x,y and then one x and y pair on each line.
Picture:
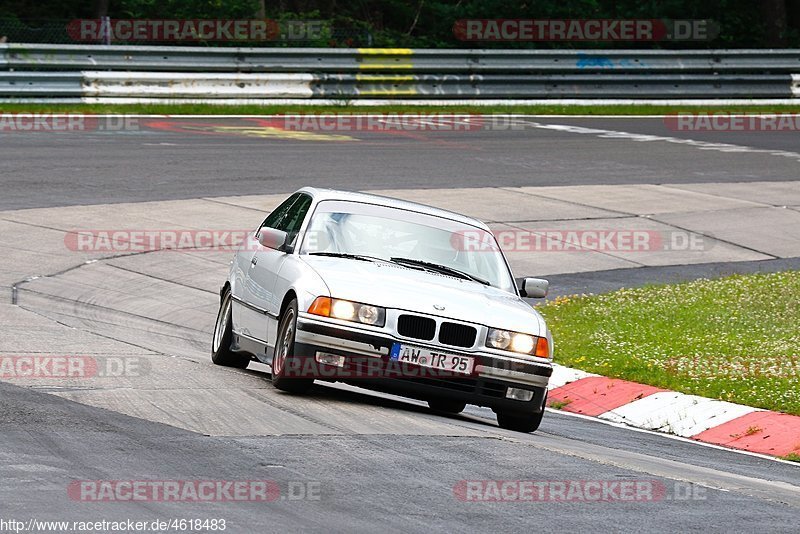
x,y
447,406
221,353
284,347
520,421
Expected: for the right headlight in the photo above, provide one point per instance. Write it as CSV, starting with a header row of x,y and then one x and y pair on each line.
x,y
517,342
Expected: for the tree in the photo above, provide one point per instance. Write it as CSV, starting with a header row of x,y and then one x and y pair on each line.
x,y
775,19
100,8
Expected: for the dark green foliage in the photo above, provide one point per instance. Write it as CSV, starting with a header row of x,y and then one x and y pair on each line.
x,y
429,23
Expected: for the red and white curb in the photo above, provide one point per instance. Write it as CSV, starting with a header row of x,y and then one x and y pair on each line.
x,y
689,416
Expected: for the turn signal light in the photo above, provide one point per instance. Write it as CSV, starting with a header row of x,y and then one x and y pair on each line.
x,y
542,350
321,306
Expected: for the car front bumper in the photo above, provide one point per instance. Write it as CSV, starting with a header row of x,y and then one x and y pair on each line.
x,y
365,361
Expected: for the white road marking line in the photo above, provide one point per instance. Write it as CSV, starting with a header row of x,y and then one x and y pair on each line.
x,y
646,138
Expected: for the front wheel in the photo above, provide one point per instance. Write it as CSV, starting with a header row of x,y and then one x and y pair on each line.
x,y
284,349
520,421
447,406
221,353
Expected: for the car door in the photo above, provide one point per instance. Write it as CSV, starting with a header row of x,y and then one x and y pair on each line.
x,y
249,308
266,264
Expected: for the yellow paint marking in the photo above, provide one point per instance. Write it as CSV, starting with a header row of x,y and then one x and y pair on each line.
x,y
386,51
386,59
390,78
378,64
388,92
265,132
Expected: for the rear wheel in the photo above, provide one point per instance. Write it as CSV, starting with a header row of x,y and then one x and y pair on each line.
x,y
521,421
284,350
221,353
447,405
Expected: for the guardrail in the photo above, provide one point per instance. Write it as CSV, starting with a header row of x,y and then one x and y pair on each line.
x,y
175,73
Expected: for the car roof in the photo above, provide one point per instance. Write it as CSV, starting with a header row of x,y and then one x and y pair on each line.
x,y
366,198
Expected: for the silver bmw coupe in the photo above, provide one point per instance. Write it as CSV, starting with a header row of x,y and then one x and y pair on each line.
x,y
388,295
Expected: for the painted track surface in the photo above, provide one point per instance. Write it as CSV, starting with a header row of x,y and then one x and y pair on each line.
x,y
380,462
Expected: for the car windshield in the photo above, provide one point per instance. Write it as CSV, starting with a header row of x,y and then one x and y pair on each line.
x,y
412,239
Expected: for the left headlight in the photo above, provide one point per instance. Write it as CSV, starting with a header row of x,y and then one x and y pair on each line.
x,y
349,311
517,342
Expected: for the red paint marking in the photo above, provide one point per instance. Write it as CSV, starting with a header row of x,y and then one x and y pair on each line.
x,y
773,433
596,395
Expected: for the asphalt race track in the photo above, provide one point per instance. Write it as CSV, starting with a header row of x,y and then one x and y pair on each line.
x,y
345,459
162,159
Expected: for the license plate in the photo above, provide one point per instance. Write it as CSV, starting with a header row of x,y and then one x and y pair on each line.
x,y
432,358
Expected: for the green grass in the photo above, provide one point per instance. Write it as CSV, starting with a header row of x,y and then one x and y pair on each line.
x,y
792,457
210,109
735,338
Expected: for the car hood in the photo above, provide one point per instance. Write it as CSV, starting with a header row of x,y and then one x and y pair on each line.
x,y
393,286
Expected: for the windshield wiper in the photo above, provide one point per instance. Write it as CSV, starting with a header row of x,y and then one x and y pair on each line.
x,y
347,256
444,269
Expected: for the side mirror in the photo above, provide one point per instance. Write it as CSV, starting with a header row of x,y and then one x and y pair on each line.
x,y
535,288
272,238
